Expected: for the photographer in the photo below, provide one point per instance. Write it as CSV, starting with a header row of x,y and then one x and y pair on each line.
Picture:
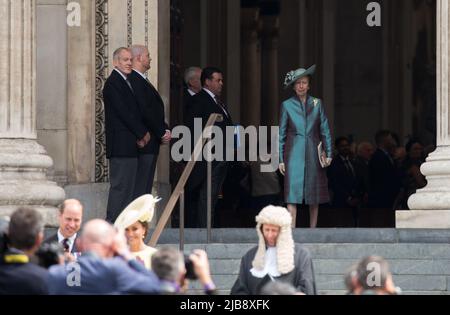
x,y
17,274
174,271
106,266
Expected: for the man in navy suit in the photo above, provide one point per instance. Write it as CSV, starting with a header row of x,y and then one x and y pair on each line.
x,y
151,108
70,219
202,105
106,266
17,274
125,132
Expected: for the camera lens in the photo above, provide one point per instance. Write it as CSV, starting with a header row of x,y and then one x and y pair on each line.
x,y
189,265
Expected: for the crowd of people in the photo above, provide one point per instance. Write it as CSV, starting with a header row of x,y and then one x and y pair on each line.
x,y
111,257
361,176
100,258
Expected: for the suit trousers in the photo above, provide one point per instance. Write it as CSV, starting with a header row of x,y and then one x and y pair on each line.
x,y
218,174
122,174
145,174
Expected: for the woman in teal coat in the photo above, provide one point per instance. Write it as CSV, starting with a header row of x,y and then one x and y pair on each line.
x,y
303,125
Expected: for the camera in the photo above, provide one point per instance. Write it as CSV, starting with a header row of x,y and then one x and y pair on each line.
x,y
49,254
189,265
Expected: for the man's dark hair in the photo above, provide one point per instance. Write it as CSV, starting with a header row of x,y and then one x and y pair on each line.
x,y
365,272
208,73
338,141
412,142
381,135
24,228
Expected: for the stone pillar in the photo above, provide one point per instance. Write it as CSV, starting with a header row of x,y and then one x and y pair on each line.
x,y
271,81
233,71
250,68
81,97
329,60
430,206
23,162
159,74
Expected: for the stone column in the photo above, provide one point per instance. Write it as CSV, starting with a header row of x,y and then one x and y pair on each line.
x,y
431,205
329,53
81,97
23,162
271,80
159,74
250,68
233,71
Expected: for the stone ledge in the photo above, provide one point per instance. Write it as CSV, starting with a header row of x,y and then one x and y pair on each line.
x,y
420,219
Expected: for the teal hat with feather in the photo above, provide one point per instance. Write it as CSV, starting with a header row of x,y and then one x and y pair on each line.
x,y
294,75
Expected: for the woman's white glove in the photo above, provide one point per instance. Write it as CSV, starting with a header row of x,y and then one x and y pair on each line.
x,y
282,168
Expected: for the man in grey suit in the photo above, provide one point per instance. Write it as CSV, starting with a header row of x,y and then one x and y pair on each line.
x,y
106,266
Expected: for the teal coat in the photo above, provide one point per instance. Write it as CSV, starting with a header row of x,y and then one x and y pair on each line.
x,y
301,131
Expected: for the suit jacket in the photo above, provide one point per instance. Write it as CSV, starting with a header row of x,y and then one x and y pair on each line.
x,y
362,169
22,279
343,183
384,181
151,107
186,97
54,239
103,276
202,105
123,120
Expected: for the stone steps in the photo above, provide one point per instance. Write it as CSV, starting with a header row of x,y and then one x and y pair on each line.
x,y
418,269
419,259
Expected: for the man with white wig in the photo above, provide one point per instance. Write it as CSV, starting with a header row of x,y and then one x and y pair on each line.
x,y
276,258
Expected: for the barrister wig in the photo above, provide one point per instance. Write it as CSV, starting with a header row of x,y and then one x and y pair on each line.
x,y
285,243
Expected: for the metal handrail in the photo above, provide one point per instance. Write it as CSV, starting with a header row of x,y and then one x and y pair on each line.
x,y
178,192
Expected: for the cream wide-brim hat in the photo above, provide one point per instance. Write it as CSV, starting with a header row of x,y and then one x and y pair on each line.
x,y
141,209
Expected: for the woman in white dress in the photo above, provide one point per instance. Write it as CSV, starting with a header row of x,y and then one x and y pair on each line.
x,y
134,221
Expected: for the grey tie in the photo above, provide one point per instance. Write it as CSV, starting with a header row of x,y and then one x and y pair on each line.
x,y
129,84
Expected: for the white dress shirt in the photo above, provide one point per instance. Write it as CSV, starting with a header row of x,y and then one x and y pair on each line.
x,y
71,239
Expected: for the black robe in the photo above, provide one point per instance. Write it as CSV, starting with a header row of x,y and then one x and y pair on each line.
x,y
302,277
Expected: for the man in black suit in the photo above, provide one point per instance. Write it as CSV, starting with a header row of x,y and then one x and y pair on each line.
x,y
192,81
17,274
70,219
364,154
343,179
202,105
383,173
125,131
151,107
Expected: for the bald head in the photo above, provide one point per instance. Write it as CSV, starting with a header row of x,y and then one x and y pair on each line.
x,y
70,217
98,237
98,231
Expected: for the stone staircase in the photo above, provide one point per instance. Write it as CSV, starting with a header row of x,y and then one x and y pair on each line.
x,y
419,259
